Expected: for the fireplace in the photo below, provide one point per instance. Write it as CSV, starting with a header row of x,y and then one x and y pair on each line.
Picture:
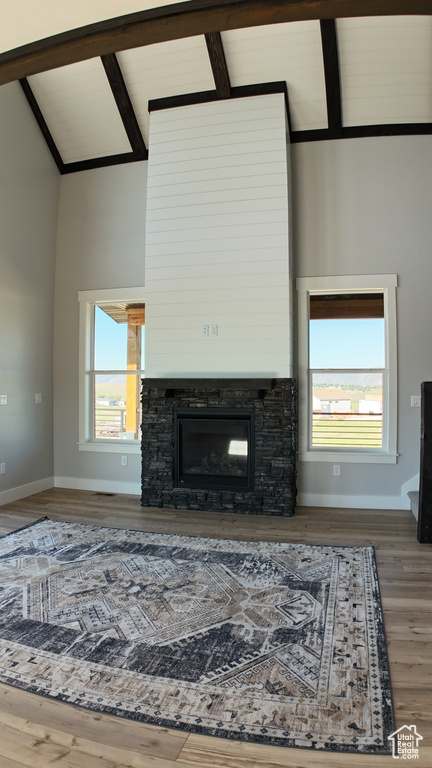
x,y
220,445
213,448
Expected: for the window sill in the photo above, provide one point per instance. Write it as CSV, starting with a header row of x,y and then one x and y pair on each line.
x,y
119,447
348,458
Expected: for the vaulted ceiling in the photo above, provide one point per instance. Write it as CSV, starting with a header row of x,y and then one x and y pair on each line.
x,y
347,67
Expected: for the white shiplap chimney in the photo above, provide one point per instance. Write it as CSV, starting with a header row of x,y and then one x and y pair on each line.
x,y
217,240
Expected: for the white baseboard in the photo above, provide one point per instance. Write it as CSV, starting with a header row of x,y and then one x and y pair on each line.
x,y
411,485
14,494
352,502
98,486
361,502
134,489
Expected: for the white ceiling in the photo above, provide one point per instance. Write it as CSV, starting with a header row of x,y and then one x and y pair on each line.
x,y
290,52
79,108
385,73
386,69
165,69
25,21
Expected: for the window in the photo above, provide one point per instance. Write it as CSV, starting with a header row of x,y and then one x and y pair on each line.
x,y
347,368
112,339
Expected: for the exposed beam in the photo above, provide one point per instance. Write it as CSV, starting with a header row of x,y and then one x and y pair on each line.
x,y
387,129
172,22
100,162
42,124
203,97
332,77
218,64
124,105
364,131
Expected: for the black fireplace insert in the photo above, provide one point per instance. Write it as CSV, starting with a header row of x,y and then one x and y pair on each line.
x,y
214,448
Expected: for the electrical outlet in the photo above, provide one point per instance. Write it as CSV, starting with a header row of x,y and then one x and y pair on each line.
x,y
3,399
204,330
124,461
336,470
2,468
213,330
38,398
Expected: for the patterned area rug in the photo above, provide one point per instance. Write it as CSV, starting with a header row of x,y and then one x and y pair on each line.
x,y
274,643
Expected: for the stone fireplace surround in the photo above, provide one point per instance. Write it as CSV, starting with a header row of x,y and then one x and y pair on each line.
x,y
273,402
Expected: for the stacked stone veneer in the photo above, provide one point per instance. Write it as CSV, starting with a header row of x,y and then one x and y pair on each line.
x,y
274,474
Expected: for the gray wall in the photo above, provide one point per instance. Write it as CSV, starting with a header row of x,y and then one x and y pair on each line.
x,y
101,235
364,207
359,207
29,183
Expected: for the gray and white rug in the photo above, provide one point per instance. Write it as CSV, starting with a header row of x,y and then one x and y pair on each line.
x,y
268,642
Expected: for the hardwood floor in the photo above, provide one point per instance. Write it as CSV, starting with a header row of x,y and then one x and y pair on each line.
x,y
39,733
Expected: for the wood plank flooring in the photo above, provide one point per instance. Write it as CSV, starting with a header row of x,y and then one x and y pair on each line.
x,y
38,733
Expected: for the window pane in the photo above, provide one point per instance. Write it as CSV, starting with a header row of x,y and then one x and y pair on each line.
x,y
347,410
346,343
117,411
346,306
110,339
143,347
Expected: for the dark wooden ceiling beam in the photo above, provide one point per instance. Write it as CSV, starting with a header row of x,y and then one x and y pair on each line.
x,y
124,105
332,77
25,85
172,22
100,162
364,131
204,97
218,64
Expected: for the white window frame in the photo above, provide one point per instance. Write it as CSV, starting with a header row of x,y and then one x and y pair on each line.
x,y
87,301
307,286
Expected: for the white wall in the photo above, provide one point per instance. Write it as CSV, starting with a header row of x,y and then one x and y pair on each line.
x,y
100,244
29,183
217,240
364,207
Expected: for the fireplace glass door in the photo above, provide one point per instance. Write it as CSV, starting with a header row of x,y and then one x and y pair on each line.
x,y
213,449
